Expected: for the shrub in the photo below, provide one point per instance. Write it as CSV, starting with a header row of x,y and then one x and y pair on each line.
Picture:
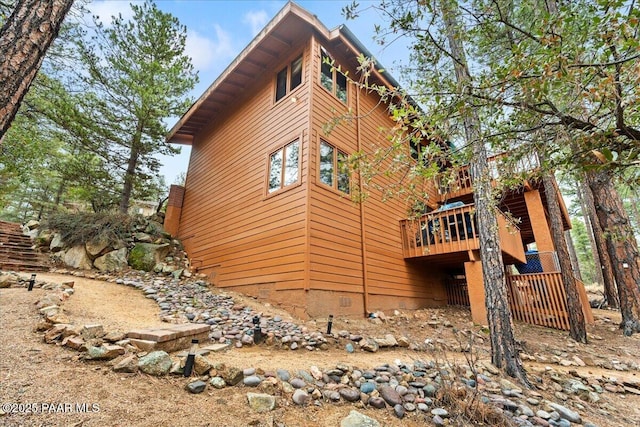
x,y
81,227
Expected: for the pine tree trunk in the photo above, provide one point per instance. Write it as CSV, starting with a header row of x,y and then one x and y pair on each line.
x,y
130,174
577,325
129,177
621,245
605,267
503,344
573,256
24,40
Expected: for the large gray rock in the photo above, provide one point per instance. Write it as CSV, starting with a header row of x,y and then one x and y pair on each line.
x,y
155,363
112,261
56,243
356,419
77,257
566,413
144,256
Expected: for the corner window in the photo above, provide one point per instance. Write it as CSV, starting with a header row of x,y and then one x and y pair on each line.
x,y
332,79
289,78
333,167
284,166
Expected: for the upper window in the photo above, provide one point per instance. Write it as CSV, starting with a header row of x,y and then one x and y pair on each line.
x,y
289,78
333,167
331,78
284,166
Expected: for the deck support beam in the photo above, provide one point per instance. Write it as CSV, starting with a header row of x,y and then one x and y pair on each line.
x,y
475,287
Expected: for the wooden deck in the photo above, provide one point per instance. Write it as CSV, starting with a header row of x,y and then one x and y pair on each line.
x,y
454,231
461,184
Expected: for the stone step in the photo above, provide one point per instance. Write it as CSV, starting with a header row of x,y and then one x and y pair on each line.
x,y
169,338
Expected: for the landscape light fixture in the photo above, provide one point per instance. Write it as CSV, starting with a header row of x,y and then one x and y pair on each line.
x,y
32,282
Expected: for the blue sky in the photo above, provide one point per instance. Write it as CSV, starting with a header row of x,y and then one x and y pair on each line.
x,y
217,30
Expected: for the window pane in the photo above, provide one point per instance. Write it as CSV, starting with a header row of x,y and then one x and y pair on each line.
x,y
296,73
341,87
275,171
326,163
343,173
291,155
326,74
281,84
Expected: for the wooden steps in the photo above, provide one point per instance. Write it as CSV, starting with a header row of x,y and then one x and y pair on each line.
x,y
16,250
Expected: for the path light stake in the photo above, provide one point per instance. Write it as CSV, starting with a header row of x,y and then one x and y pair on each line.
x,y
257,331
330,324
32,281
191,358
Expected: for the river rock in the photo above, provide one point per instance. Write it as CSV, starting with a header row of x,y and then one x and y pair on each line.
x,y
566,413
300,397
390,395
197,386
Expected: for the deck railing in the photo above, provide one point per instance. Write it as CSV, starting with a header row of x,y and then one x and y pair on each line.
x,y
440,232
461,184
454,230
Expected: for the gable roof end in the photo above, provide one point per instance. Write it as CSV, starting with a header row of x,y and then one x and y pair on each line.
x,y
276,38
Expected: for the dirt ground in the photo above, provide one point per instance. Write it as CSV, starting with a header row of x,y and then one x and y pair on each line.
x,y
32,372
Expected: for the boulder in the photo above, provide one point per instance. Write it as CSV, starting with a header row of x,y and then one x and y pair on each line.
x,y
96,246
77,257
144,256
155,363
56,243
6,280
112,261
31,225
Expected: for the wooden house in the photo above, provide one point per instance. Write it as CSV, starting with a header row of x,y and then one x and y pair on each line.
x,y
267,211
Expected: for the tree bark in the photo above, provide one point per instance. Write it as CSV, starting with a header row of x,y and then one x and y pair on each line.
x,y
573,256
605,267
24,40
503,344
130,174
621,245
577,324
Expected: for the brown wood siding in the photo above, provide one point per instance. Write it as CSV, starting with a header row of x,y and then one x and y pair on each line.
x,y
336,235
335,246
229,224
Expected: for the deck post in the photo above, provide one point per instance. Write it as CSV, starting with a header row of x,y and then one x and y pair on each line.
x,y
475,287
540,226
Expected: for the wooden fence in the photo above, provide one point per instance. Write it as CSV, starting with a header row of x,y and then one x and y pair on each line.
x,y
457,292
538,299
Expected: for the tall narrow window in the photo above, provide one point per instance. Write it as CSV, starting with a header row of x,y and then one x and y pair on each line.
x,y
284,166
333,167
281,84
331,78
289,78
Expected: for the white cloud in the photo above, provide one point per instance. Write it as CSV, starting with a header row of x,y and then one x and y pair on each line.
x,y
108,8
256,20
204,50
